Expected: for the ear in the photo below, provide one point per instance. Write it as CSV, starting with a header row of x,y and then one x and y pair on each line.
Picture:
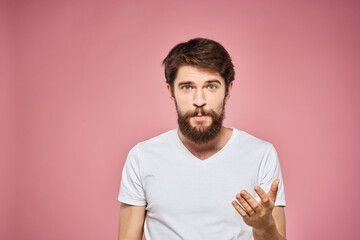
x,y
228,92
172,97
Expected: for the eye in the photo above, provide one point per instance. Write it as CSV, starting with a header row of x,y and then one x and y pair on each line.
x,y
187,87
212,87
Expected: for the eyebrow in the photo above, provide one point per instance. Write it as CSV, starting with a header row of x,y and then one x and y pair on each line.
x,y
189,82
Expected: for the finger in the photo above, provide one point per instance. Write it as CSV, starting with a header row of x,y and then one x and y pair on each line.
x,y
245,205
248,202
273,189
263,196
239,209
251,200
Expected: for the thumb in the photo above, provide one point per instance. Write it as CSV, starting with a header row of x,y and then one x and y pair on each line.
x,y
273,189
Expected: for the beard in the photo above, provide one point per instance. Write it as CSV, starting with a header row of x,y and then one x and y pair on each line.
x,y
201,134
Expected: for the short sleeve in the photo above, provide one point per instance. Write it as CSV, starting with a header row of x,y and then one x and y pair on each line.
x,y
131,188
269,171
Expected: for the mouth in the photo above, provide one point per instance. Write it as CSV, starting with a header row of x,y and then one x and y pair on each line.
x,y
200,117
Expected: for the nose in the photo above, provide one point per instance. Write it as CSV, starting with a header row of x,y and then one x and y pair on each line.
x,y
199,98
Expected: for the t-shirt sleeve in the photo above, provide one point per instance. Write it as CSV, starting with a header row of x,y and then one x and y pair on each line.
x,y
131,187
269,172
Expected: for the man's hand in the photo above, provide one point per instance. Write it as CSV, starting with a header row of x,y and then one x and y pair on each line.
x,y
258,214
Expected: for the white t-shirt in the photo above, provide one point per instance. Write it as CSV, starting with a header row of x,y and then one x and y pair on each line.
x,y
189,198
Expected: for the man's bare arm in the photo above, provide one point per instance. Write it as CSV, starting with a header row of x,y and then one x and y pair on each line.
x,y
280,221
131,222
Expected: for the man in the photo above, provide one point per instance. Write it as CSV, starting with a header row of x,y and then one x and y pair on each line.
x,y
202,180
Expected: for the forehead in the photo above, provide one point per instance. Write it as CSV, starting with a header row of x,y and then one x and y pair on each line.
x,y
196,75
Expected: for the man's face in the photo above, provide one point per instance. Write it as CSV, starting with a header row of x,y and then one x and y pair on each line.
x,y
200,98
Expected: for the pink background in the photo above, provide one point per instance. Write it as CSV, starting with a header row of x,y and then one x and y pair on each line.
x,y
82,82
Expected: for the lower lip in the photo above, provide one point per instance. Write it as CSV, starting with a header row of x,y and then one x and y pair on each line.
x,y
200,118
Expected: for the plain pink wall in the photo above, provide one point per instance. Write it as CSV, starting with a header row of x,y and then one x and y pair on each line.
x,y
5,127
82,83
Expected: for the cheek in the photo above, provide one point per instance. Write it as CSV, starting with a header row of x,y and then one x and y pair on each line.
x,y
183,102
217,106
182,107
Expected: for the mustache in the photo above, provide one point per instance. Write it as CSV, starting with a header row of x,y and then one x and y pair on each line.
x,y
201,111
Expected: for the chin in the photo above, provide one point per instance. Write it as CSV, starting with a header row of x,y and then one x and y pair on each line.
x,y
198,125
201,127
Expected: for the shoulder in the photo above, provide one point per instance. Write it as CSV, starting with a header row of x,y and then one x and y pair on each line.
x,y
161,141
246,140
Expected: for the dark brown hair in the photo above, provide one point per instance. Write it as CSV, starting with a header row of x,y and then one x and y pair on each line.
x,y
202,53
